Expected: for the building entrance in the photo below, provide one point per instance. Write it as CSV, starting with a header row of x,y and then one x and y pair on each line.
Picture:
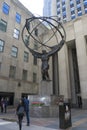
x,y
76,99
9,96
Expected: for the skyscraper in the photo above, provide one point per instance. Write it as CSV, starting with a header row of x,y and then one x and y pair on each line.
x,y
47,8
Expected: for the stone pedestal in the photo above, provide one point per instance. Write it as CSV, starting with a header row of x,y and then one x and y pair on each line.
x,y
49,109
45,88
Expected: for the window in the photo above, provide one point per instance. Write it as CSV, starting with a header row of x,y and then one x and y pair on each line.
x,y
79,13
63,3
26,40
35,61
58,0
73,17
79,9
12,71
64,16
3,25
16,33
77,1
63,9
58,12
35,45
36,32
72,12
71,4
58,6
1,45
18,18
26,56
85,10
14,51
85,7
59,18
34,77
24,75
5,8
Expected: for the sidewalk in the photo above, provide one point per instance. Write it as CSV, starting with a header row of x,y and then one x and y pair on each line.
x,y
79,120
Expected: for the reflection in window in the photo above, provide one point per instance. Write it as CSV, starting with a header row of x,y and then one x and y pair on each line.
x,y
16,33
18,18
5,8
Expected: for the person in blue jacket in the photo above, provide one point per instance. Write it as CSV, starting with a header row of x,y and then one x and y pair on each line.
x,y
26,103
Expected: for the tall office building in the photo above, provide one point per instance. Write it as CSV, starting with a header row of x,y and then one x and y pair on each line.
x,y
66,10
47,8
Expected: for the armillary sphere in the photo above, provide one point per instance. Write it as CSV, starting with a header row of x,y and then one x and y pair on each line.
x,y
53,41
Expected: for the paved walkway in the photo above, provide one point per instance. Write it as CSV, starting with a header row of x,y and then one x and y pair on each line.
x,y
79,120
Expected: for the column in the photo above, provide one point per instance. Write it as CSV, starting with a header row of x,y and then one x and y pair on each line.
x,y
55,74
82,60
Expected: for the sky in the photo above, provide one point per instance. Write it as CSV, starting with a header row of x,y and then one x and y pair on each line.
x,y
34,6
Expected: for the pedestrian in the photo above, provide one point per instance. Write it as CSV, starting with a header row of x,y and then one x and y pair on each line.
x,y
20,110
2,104
5,104
26,103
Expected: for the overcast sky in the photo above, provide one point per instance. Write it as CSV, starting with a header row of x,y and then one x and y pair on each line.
x,y
34,6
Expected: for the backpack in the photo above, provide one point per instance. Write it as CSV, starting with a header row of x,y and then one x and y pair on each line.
x,y
20,111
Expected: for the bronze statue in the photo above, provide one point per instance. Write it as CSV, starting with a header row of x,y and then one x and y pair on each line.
x,y
45,65
49,50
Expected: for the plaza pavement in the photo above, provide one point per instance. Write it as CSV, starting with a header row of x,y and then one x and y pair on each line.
x,y
78,117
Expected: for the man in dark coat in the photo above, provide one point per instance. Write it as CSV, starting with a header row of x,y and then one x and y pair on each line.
x,y
26,103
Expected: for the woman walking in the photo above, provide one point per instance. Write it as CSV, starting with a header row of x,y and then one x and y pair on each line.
x,y
20,113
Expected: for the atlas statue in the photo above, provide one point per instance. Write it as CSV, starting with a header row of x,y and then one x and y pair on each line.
x,y
49,50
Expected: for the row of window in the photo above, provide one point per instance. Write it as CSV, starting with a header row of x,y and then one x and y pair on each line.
x,y
79,11
12,73
14,52
3,27
6,9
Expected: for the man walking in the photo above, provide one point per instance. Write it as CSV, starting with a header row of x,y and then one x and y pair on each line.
x,y
26,103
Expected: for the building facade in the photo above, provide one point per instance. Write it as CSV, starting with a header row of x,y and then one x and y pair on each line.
x,y
73,73
72,64
18,68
